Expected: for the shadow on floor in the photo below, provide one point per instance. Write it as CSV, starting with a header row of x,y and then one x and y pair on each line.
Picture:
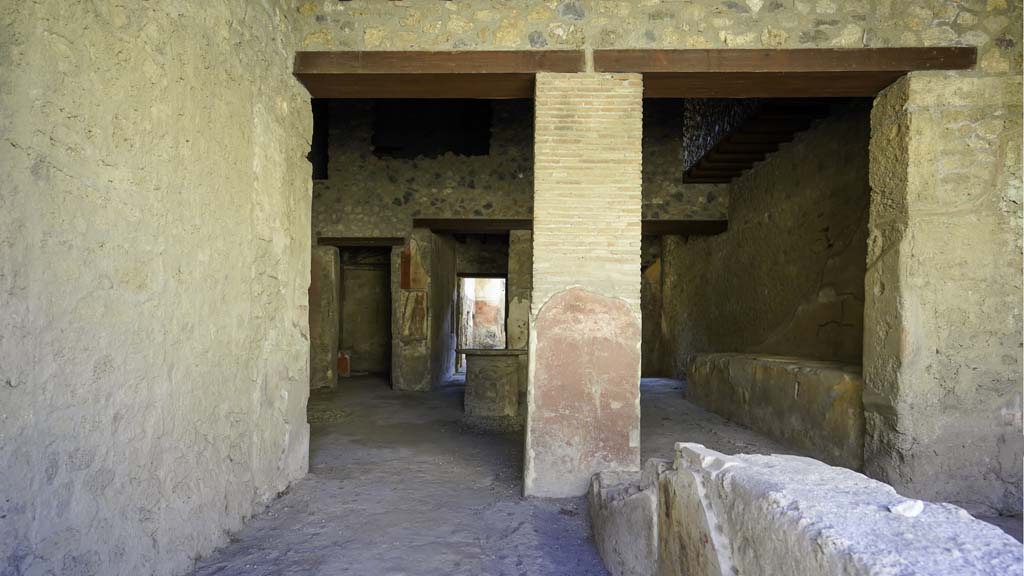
x,y
398,485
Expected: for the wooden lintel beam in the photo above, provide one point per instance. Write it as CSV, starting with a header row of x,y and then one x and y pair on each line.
x,y
473,225
717,60
452,62
353,242
716,180
455,74
714,165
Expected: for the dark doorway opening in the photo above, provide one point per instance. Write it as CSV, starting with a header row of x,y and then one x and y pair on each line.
x,y
365,317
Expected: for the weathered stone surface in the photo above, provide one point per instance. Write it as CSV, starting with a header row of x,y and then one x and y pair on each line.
x,y
411,358
994,25
520,284
154,268
720,515
584,399
492,390
942,355
414,315
665,146
366,195
324,323
624,517
793,515
813,407
787,278
442,308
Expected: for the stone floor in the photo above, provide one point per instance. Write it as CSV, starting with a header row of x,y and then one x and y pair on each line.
x,y
399,486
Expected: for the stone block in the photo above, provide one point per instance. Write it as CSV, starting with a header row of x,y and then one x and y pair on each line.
x,y
624,516
794,515
411,367
721,515
814,407
492,390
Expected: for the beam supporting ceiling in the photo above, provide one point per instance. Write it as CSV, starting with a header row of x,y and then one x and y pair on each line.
x,y
712,73
495,225
474,74
801,73
359,242
473,225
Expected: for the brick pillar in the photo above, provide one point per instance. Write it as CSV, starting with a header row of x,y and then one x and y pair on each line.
x,y
942,314
584,385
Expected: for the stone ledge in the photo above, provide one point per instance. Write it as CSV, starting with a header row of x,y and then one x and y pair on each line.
x,y
719,515
815,407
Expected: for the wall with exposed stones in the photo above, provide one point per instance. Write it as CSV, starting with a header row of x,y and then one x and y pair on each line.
x,y
992,25
482,254
367,195
154,268
787,278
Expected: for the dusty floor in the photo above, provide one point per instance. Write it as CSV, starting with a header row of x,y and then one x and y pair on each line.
x,y
398,486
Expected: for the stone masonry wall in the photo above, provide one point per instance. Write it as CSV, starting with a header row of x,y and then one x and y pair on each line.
x,y
154,267
369,196
787,278
584,383
992,25
942,349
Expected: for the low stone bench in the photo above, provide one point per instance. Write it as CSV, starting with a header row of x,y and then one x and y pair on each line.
x,y
715,515
814,407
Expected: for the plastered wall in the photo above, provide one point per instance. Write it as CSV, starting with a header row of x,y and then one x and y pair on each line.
x,y
154,267
787,277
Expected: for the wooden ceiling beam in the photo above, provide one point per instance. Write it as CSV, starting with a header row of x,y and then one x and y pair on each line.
x,y
760,73
473,225
704,73
718,60
455,74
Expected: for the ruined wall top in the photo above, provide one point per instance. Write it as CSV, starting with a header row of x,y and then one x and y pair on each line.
x,y
994,26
